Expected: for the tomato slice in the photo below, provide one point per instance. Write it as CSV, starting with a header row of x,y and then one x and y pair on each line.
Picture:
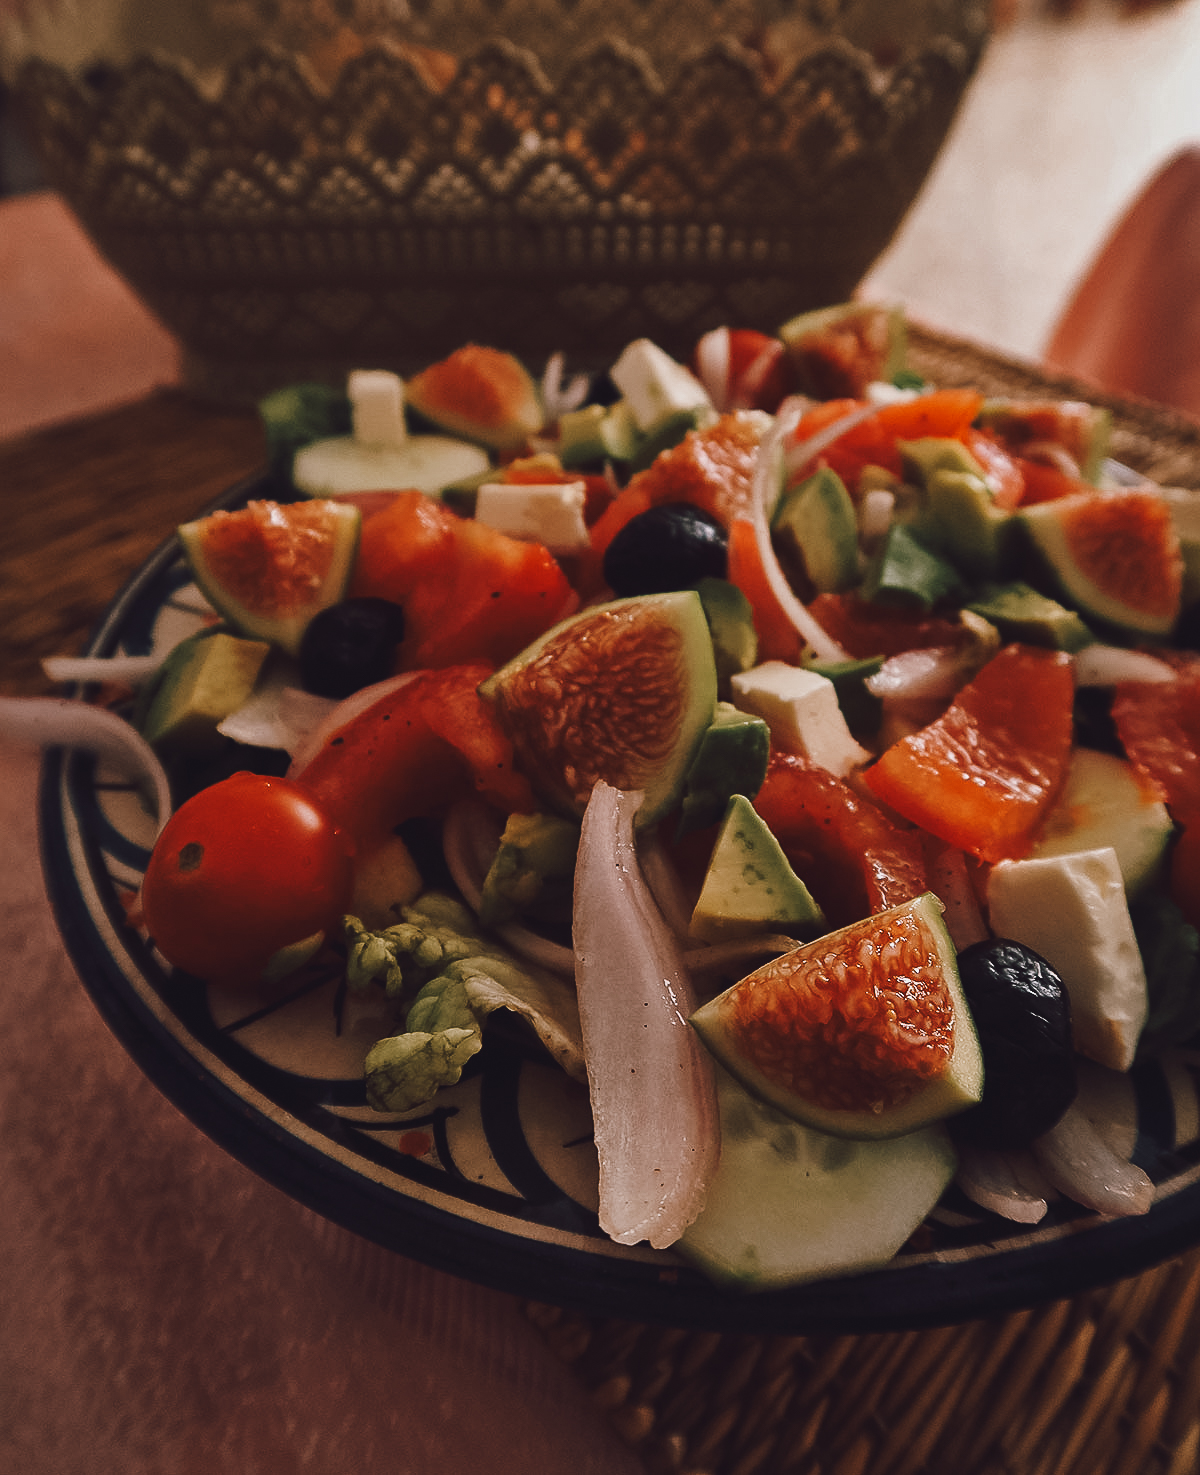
x,y
984,774
1001,470
467,591
864,630
1046,483
854,858
875,442
778,639
1158,724
425,739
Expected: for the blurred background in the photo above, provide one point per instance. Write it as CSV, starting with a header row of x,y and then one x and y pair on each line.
x,y
1076,104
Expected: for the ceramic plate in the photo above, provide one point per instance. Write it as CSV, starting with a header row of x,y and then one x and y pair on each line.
x,y
496,1180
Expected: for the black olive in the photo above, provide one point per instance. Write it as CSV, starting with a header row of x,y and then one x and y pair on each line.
x,y
1023,1017
671,546
350,645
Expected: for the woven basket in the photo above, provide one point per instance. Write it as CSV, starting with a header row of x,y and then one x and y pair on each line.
x,y
544,175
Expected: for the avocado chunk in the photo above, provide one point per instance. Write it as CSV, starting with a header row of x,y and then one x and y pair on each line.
x,y
580,442
750,885
957,514
204,679
732,759
816,525
861,708
731,625
905,571
1021,613
536,857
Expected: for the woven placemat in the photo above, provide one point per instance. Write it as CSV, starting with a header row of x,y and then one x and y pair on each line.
x,y
1106,1383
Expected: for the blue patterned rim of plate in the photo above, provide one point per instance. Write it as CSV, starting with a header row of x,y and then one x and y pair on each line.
x,y
496,1180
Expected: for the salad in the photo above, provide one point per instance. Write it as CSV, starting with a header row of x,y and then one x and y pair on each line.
x,y
801,753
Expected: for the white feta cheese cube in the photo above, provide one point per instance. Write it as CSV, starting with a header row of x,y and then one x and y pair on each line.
x,y
550,514
801,709
1072,910
655,386
377,407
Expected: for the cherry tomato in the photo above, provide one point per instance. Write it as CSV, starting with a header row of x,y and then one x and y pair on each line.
x,y
244,869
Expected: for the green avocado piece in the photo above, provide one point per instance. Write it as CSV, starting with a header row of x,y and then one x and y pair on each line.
x,y
731,625
1021,613
731,759
957,514
863,711
750,885
580,441
666,434
204,679
905,571
537,852
816,523
619,434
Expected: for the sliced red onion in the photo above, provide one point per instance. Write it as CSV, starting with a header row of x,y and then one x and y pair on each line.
x,y
875,513
1079,1163
799,456
57,722
277,714
712,367
652,1085
557,397
1050,453
1108,665
131,669
764,493
997,1182
920,675
665,886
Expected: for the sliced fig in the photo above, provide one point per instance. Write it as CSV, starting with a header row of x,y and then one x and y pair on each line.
x,y
622,692
863,1033
481,393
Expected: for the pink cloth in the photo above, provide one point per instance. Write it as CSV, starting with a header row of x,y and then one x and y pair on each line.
x,y
165,1312
1133,323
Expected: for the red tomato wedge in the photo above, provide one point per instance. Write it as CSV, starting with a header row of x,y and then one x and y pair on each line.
x,y
1158,724
853,857
778,639
864,630
1046,483
875,442
467,591
984,774
1001,470
1159,728
408,747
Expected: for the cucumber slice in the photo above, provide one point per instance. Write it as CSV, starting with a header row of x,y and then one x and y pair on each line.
x,y
790,1204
